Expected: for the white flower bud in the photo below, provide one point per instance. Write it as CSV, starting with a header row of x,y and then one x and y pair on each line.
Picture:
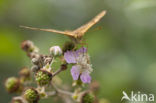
x,y
55,51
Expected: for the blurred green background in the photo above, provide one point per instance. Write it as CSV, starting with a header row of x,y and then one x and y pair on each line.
x,y
123,52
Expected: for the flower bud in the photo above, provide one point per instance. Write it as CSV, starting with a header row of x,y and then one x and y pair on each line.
x,y
43,77
47,60
24,74
33,55
13,84
31,95
87,97
35,68
55,51
35,61
27,46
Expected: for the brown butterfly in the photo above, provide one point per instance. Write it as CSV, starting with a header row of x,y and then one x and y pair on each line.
x,y
76,34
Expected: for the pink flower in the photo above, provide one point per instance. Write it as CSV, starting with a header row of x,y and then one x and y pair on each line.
x,y
81,68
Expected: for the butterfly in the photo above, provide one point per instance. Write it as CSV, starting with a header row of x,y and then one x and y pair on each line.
x,y
76,34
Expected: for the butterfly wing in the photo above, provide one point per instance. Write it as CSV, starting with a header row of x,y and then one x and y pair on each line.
x,y
81,30
76,33
49,30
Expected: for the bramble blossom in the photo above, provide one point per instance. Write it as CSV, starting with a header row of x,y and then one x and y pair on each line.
x,y
82,67
56,51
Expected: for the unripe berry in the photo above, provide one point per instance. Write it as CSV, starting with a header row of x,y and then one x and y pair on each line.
x,y
43,77
87,97
12,84
55,51
31,95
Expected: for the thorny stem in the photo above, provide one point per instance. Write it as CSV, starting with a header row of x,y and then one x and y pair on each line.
x,y
52,61
62,91
52,93
57,72
65,94
18,97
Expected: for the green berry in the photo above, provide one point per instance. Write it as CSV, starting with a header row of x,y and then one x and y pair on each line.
x,y
87,98
12,84
43,77
31,95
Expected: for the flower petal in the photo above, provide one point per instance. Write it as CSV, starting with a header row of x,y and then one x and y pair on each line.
x,y
85,77
70,57
81,51
75,72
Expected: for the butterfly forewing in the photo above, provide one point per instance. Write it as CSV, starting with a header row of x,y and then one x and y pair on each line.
x,y
81,30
